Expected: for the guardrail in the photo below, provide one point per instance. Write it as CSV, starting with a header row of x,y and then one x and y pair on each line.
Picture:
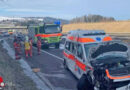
x,y
15,27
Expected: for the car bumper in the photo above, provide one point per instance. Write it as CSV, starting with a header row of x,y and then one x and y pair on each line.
x,y
50,43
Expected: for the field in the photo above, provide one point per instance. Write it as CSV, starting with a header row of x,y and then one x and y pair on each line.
x,y
117,27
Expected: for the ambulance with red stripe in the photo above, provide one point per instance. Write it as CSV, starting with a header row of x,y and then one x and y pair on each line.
x,y
50,34
99,62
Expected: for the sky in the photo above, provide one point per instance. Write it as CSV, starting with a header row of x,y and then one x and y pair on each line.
x,y
66,9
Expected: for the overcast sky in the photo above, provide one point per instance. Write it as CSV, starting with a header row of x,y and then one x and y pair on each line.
x,y
66,9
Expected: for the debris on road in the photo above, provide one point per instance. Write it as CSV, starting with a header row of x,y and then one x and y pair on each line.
x,y
36,70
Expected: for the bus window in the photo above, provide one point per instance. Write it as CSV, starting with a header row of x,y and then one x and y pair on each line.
x,y
36,30
41,29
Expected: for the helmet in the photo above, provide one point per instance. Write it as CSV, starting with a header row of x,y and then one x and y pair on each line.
x,y
26,38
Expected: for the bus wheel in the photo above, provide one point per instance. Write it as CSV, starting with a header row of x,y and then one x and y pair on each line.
x,y
57,45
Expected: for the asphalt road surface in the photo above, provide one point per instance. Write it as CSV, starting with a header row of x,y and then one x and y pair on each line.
x,y
52,70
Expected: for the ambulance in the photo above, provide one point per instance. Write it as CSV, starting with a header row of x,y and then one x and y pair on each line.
x,y
92,55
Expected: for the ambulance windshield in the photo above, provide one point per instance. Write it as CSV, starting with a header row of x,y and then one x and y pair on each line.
x,y
88,48
52,29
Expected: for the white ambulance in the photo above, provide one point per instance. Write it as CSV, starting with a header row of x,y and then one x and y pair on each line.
x,y
93,54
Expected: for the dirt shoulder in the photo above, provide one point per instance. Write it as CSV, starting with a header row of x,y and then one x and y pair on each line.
x,y
13,74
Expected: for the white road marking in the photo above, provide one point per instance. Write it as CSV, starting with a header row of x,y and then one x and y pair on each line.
x,y
51,54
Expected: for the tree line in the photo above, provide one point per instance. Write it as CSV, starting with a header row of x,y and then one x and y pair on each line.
x,y
92,18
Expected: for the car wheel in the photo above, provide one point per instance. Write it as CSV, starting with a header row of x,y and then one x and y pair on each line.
x,y
84,83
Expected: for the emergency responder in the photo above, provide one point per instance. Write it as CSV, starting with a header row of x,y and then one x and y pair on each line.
x,y
39,45
17,48
30,41
27,47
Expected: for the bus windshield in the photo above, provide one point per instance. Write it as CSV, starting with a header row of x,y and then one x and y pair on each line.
x,y
52,29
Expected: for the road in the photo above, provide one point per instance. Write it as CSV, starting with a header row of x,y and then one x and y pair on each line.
x,y
52,70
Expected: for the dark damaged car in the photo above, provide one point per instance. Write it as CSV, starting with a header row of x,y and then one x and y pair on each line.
x,y
109,67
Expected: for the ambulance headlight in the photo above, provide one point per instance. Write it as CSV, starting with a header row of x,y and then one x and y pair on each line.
x,y
45,41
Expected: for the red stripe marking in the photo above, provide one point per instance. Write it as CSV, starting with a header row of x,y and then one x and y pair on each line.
x,y
82,40
48,35
107,39
80,65
111,77
77,62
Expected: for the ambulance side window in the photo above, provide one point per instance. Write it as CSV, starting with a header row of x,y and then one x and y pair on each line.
x,y
67,45
73,48
79,51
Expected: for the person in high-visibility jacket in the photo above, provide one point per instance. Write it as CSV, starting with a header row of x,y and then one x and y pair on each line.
x,y
19,47
30,40
16,47
27,47
39,45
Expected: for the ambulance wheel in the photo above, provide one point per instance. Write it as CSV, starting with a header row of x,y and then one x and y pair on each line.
x,y
84,83
57,45
65,64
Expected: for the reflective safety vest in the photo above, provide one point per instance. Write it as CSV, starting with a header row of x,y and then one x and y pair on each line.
x,y
27,45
